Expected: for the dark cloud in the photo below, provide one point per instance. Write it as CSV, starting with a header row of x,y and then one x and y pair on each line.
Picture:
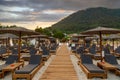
x,y
33,10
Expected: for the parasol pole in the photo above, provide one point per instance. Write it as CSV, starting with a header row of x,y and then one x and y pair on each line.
x,y
100,44
19,45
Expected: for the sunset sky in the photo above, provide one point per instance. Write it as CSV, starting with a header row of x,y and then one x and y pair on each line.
x,y
44,13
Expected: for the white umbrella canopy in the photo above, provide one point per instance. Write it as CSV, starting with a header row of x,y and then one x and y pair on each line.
x,y
18,31
99,31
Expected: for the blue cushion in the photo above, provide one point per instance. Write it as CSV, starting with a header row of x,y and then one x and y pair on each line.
x,y
86,59
93,68
35,59
33,51
14,51
117,50
111,59
106,50
11,59
26,70
3,50
92,50
45,51
87,45
80,50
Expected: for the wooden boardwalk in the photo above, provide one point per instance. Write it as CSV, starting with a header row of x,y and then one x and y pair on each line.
x,y
61,68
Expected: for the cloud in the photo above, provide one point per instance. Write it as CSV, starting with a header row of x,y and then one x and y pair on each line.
x,y
46,10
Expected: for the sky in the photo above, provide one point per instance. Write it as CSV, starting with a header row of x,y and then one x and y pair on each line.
x,y
44,13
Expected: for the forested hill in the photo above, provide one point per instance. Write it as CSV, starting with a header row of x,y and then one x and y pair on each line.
x,y
90,18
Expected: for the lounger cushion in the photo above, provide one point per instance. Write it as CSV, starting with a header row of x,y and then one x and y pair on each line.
x,y
111,59
26,70
93,68
33,51
11,59
117,50
92,49
106,50
86,59
35,59
45,51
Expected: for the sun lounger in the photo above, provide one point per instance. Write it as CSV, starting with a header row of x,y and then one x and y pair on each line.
x,y
33,51
93,53
53,48
79,51
26,56
117,52
90,69
45,53
14,51
106,50
3,52
29,70
11,59
112,60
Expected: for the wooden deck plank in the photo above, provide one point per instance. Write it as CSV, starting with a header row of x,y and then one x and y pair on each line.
x,y
61,68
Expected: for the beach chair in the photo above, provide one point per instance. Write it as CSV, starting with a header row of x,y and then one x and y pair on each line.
x,y
90,69
93,53
79,51
53,48
11,59
33,51
111,59
26,56
14,51
106,50
3,52
45,53
117,52
29,70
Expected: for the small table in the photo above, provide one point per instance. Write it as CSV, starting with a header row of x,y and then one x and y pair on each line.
x,y
106,66
12,67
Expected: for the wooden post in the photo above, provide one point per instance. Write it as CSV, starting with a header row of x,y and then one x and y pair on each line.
x,y
100,44
19,46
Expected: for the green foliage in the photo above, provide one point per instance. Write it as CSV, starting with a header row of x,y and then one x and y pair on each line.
x,y
59,35
40,30
55,33
47,32
88,19
3,26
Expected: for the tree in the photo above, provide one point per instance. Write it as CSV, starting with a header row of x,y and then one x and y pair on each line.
x,y
59,35
40,30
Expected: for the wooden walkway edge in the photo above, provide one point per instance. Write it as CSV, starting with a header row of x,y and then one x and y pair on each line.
x,y
61,68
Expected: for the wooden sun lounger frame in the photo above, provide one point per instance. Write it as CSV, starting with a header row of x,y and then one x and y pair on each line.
x,y
27,76
117,72
4,55
117,54
53,52
46,58
91,75
1,74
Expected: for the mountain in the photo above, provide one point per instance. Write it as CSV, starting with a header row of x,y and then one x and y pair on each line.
x,y
87,19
